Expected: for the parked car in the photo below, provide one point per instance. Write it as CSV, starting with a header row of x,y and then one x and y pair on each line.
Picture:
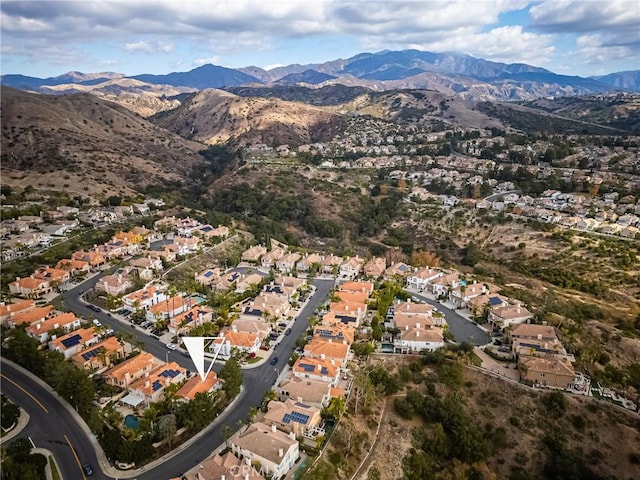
x,y
274,360
87,469
172,346
94,308
287,331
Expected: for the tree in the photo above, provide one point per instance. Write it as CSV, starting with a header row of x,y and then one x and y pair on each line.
x,y
363,389
231,374
10,413
335,409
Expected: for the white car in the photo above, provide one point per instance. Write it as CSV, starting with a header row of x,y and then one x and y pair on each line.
x,y
172,346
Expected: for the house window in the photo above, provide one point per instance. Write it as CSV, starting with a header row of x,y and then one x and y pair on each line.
x,y
542,375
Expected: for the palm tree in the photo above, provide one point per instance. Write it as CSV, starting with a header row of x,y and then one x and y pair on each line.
x,y
227,432
253,413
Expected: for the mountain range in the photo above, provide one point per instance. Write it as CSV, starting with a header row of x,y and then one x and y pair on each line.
x,y
450,73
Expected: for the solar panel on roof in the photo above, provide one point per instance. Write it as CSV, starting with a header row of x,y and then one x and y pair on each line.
x,y
299,417
71,341
324,370
495,301
286,418
156,385
208,274
298,404
307,368
92,353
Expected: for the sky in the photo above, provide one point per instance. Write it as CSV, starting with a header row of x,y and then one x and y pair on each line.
x,y
48,38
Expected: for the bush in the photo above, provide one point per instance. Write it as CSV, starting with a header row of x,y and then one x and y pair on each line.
x,y
555,404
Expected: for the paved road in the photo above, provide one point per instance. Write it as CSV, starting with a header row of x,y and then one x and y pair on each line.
x,y
256,381
49,424
462,329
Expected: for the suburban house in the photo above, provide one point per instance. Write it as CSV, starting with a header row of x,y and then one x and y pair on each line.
x,y
74,267
311,392
320,369
328,349
535,340
241,341
147,263
341,308
306,263
144,298
276,451
287,263
185,321
286,292
227,466
357,287
547,372
249,325
115,284
245,282
186,245
462,294
421,278
254,253
29,316
331,264
352,297
375,267
396,269
504,316
73,342
29,287
272,304
195,385
94,259
99,356
7,310
127,372
40,330
442,285
208,276
292,416
409,313
208,232
478,305
337,333
269,259
168,308
150,388
351,267
333,319
418,338
289,282
52,275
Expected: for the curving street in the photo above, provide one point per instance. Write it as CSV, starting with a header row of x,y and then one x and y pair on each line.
x,y
48,426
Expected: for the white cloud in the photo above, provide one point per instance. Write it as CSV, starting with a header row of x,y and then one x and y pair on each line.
x,y
273,65
149,46
203,61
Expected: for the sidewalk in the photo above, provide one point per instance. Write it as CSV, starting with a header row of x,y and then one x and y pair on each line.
x,y
22,422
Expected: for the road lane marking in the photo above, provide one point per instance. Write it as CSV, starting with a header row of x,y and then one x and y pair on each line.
x,y
73,450
25,391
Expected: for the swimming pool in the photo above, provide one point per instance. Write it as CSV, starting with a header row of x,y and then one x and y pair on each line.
x,y
131,421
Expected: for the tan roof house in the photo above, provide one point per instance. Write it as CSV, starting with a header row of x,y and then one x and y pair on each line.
x,y
293,416
29,287
504,316
99,356
74,267
254,253
276,451
375,267
29,316
548,372
327,349
150,388
306,390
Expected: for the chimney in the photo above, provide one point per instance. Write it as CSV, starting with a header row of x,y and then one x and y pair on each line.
x,y
247,460
292,435
417,333
518,310
273,428
281,452
234,328
222,477
417,325
322,356
539,336
406,327
147,383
